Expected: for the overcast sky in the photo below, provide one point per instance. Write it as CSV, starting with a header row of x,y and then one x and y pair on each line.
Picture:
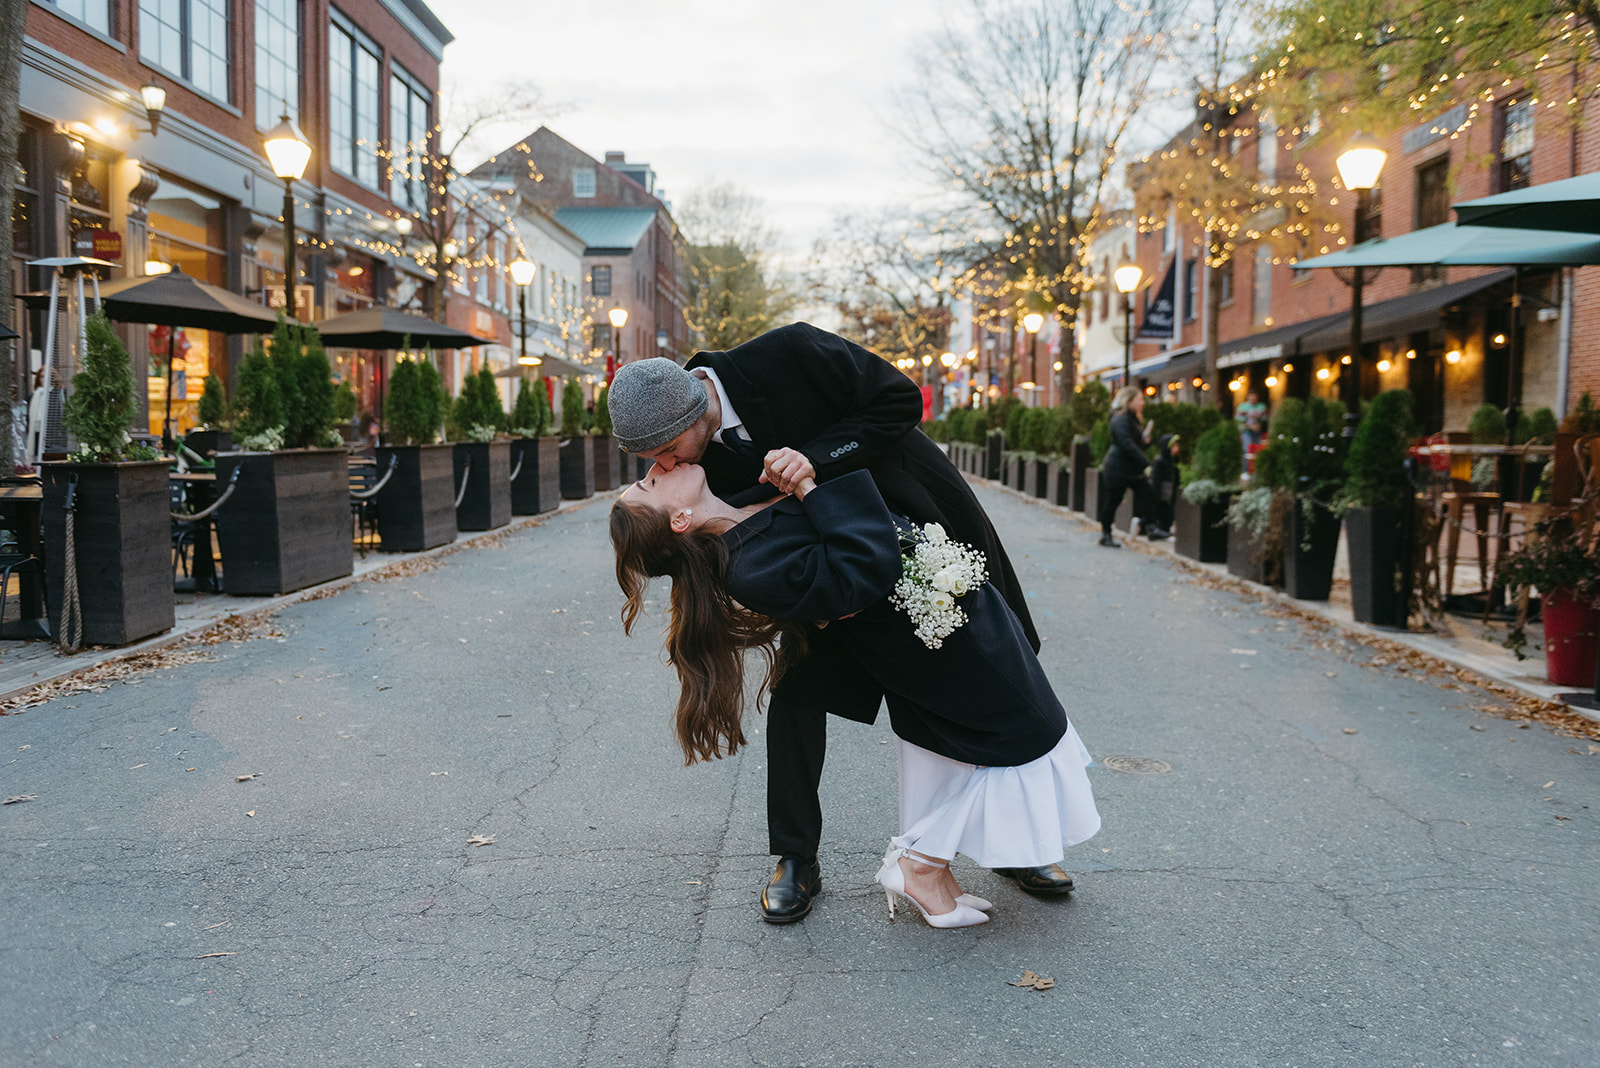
x,y
791,102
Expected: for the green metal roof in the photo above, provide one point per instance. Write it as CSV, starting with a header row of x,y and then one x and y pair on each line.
x,y
607,228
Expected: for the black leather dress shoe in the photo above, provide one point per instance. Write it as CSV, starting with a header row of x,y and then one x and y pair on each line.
x,y
1049,879
787,897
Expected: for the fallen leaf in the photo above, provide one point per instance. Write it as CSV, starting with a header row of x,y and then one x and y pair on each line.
x,y
1350,730
1547,785
1474,727
1242,652
692,882
1033,981
214,926
251,813
481,840
1563,817
20,798
247,778
1330,674
136,767
207,956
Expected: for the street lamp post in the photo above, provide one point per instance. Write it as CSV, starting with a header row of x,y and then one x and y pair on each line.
x,y
1031,323
289,152
619,319
1127,278
1359,166
522,274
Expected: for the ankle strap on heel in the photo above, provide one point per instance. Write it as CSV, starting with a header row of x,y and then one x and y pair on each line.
x,y
897,852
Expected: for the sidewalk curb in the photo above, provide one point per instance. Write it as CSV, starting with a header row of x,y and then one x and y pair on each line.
x,y
387,563
1479,674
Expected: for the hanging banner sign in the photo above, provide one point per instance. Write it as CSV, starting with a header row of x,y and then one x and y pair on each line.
x,y
107,245
1160,315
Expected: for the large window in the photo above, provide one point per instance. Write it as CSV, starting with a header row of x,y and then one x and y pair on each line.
x,y
353,93
1432,209
408,140
600,281
96,14
1191,290
277,61
189,39
1516,145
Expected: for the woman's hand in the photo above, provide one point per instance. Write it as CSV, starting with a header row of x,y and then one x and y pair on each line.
x,y
790,471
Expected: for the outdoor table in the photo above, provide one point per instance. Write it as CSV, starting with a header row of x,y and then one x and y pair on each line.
x,y
200,489
24,503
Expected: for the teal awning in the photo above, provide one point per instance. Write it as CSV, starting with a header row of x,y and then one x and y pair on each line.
x,y
1454,245
1571,205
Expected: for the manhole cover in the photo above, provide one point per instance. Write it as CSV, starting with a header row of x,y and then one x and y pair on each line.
x,y
1137,765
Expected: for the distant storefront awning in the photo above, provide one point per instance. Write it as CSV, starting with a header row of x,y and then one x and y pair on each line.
x,y
1411,313
1169,366
1451,245
1276,342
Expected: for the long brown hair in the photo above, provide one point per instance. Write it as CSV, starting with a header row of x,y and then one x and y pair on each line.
x,y
708,633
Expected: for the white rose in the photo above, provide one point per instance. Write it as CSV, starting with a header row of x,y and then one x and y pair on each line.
x,y
946,580
958,585
934,533
939,600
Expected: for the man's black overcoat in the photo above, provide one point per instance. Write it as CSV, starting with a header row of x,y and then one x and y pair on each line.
x,y
846,410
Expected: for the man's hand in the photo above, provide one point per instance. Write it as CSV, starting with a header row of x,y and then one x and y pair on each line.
x,y
788,469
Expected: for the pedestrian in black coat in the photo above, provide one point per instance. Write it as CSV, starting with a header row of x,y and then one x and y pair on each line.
x,y
1164,482
1125,464
843,409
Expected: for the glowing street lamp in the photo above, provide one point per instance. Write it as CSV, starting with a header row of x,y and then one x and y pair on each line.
x,y
1359,165
288,151
619,319
1127,277
522,274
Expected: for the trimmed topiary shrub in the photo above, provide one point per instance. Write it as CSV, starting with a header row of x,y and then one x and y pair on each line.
x,y
1487,426
213,404
103,405
1377,477
572,412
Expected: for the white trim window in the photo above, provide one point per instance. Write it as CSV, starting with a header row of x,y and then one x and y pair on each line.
x,y
189,39
277,61
354,92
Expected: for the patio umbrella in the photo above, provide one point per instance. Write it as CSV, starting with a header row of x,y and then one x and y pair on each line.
x,y
1572,204
391,328
180,300
1454,245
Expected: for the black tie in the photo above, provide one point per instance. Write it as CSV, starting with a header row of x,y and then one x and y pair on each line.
x,y
737,444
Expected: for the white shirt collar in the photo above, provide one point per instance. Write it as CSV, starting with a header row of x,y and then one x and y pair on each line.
x,y
730,418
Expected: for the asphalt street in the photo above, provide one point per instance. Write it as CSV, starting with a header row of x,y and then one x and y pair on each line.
x,y
266,859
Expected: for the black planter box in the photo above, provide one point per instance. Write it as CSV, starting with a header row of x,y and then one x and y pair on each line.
x,y
486,493
536,467
1202,530
607,463
1378,545
1246,557
1090,503
1058,483
207,443
1082,464
123,536
993,446
577,467
1308,573
1011,470
1034,473
642,466
417,506
287,525
1123,520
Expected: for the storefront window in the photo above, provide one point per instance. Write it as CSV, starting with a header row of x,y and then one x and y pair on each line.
x,y
186,231
91,200
189,39
353,91
277,61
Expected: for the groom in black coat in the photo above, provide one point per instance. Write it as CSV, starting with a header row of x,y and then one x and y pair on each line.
x,y
845,409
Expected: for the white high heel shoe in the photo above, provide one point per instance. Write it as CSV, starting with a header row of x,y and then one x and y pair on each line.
x,y
972,901
893,880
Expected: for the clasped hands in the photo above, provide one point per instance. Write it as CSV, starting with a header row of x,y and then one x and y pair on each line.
x,y
790,471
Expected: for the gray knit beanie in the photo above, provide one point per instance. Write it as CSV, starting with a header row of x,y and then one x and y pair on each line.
x,y
653,401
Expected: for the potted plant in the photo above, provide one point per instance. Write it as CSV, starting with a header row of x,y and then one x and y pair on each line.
x,y
482,461
577,448
1303,462
417,506
213,435
1378,497
287,525
121,533
1090,403
1058,440
1564,569
535,453
345,407
1097,444
1035,430
607,457
1209,481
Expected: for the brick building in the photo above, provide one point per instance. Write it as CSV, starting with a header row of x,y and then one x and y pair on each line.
x,y
634,257
360,77
1443,333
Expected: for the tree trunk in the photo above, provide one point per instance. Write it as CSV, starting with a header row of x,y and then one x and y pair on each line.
x,y
1213,313
1068,375
13,22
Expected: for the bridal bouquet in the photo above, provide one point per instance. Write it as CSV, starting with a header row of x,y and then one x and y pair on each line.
x,y
935,573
